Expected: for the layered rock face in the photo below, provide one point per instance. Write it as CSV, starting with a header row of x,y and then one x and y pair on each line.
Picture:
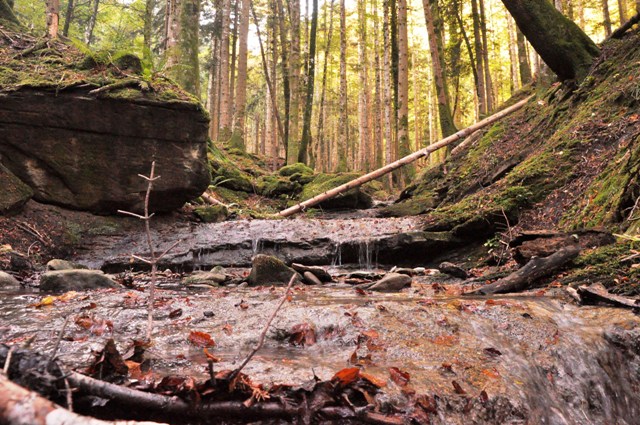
x,y
85,152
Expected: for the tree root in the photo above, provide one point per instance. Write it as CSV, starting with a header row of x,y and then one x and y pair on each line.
x,y
132,82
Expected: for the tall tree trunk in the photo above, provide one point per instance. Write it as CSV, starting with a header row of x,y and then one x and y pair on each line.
x,y
472,61
523,58
389,111
285,66
481,90
343,128
432,18
622,10
232,63
293,142
606,18
213,98
88,35
485,57
377,104
53,17
324,148
183,43
303,154
404,147
566,49
68,17
241,87
363,123
225,97
514,79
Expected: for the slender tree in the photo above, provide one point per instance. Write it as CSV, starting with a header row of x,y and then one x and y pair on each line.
x,y
88,34
343,129
303,154
225,95
324,150
293,142
606,18
363,122
53,17
68,17
523,58
404,147
241,88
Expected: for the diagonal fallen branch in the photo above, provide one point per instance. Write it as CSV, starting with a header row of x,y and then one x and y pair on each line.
x,y
423,153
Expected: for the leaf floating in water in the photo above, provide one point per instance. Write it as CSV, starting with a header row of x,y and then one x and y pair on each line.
x,y
458,388
175,313
375,381
493,352
201,339
347,375
399,377
361,291
227,329
446,340
484,397
491,373
211,356
303,334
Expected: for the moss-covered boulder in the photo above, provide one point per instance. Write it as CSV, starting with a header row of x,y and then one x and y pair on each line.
x,y
297,168
356,198
212,213
273,186
75,280
14,192
268,270
80,137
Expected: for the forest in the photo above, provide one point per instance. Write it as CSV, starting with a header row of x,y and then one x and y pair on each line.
x,y
337,212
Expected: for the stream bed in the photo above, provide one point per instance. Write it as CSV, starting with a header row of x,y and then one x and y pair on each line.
x,y
536,359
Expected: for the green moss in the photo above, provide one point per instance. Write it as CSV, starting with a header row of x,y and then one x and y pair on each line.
x,y
297,168
212,213
272,186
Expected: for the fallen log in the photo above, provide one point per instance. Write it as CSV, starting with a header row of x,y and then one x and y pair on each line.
x,y
625,27
423,153
597,293
19,406
535,269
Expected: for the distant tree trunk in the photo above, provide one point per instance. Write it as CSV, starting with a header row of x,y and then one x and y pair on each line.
x,y
293,142
480,86
363,123
622,10
606,18
395,57
324,148
88,35
147,30
6,13
285,66
343,126
523,58
433,21
513,55
53,17
377,104
305,142
241,88
232,63
485,57
566,49
404,148
68,17
182,45
213,98
472,61
225,97
388,100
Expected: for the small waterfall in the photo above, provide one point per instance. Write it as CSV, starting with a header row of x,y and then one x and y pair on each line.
x,y
365,254
256,246
337,256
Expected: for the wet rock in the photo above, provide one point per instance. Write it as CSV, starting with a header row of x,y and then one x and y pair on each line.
x,y
212,213
14,193
7,280
318,271
391,282
75,280
57,264
452,270
272,186
311,279
268,270
419,270
205,278
19,262
364,274
403,270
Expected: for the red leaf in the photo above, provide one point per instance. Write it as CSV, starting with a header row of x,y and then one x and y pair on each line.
x,y
175,313
227,329
347,375
201,339
211,356
458,387
399,377
375,381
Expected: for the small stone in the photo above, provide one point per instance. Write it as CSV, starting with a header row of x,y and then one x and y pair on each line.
x,y
208,313
319,272
419,270
268,270
391,282
363,274
205,278
57,264
74,280
311,278
407,271
7,280
452,270
219,269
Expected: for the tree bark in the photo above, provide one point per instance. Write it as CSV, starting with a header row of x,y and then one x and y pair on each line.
x,y
305,142
343,127
523,58
147,31
285,66
225,97
68,17
622,10
404,147
53,17
293,141
241,88
485,57
389,122
363,107
480,87
566,49
88,36
324,150
6,13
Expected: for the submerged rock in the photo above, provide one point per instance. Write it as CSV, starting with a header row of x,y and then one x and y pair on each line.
x,y
206,278
7,280
57,264
268,270
75,280
391,282
317,271
452,270
311,278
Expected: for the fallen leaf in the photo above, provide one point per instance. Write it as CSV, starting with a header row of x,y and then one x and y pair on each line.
x,y
303,334
227,329
373,380
347,375
493,352
201,339
175,313
399,377
458,388
211,356
491,373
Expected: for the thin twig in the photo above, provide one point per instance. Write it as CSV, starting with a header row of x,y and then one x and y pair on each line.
x,y
263,335
7,362
55,347
141,217
69,392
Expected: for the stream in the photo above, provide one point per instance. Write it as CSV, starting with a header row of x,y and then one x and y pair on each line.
x,y
530,359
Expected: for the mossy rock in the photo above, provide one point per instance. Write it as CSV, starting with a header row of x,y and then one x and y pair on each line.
x,y
356,198
268,270
301,178
229,176
272,186
297,168
212,213
14,193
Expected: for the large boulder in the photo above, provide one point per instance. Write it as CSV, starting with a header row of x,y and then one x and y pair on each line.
x,y
355,198
7,280
79,132
74,280
14,192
